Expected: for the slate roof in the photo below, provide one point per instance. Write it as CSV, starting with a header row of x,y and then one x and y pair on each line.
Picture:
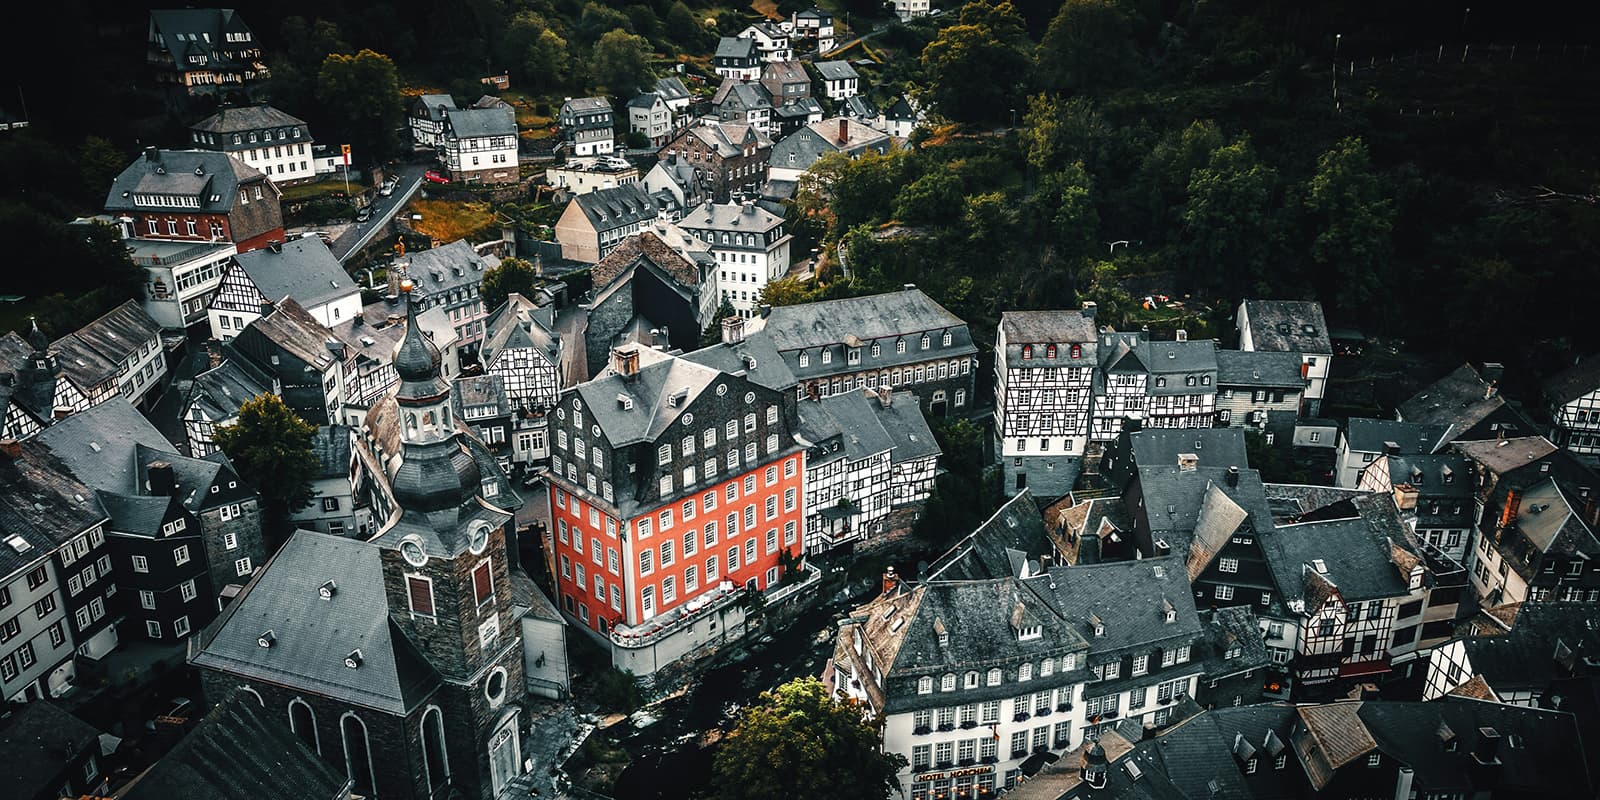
x,y
96,351
239,749
754,356
671,88
836,70
1173,500
728,138
736,47
331,445
1160,447
666,246
312,636
1127,597
859,107
819,138
1217,521
475,123
1370,435
244,119
36,740
1137,353
432,102
1226,628
513,326
617,207
212,177
1259,368
41,503
745,94
1573,382
1527,657
645,101
584,105
660,376
1540,751
1288,326
1048,327
901,110
1446,479
304,270
904,314
220,391
444,269
782,72
111,445
204,29
1358,553
291,327
137,514
1554,524
1506,455
1460,399
731,217
1007,545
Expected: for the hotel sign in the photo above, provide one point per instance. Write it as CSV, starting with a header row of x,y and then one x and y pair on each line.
x,y
955,773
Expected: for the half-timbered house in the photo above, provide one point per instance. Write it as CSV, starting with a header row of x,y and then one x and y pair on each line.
x,y
525,354
1044,367
303,270
1572,398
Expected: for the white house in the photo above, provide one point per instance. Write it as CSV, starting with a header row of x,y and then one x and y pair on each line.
x,y
1291,326
587,126
815,26
737,58
480,145
648,114
771,40
277,144
426,116
1044,381
303,270
910,9
749,244
840,81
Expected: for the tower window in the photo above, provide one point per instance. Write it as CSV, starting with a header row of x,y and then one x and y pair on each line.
x,y
482,583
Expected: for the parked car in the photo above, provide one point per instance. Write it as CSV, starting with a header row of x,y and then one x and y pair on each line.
x,y
364,214
388,187
433,176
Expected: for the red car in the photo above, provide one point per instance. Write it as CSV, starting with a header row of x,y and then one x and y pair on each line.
x,y
433,176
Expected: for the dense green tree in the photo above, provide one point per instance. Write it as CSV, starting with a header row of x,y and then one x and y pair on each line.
x,y
798,741
597,20
786,291
712,333
514,275
363,91
100,162
931,199
1063,210
1230,222
1162,182
271,447
1057,132
987,218
1354,221
534,52
618,691
975,69
621,62
686,30
1089,47
851,191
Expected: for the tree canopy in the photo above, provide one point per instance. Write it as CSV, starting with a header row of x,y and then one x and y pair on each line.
x,y
514,275
363,92
798,741
621,62
271,447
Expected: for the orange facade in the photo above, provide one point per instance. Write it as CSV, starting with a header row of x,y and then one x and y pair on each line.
x,y
663,558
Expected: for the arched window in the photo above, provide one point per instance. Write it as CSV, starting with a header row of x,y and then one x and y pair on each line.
x,y
255,694
434,760
947,683
357,753
303,721
924,685
994,677
411,422
1027,351
970,681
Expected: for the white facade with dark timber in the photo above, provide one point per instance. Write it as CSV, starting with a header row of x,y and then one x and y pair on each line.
x,y
1044,382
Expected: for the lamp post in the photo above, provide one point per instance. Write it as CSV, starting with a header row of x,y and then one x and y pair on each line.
x,y
1336,38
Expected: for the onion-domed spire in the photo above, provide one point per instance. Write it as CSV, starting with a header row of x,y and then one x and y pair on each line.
x,y
417,359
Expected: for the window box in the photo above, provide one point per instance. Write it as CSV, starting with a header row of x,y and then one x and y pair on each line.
x,y
988,759
1110,715
1043,712
944,764
1021,716
1019,754
1043,748
965,762
921,730
969,725
1065,705
947,727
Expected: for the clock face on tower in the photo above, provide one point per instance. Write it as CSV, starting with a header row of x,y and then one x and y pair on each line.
x,y
411,551
480,539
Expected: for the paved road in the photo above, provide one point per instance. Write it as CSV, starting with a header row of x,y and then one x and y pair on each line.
x,y
360,234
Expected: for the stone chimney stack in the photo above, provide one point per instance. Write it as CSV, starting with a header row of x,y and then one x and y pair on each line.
x,y
163,481
625,361
1233,476
891,581
844,131
732,329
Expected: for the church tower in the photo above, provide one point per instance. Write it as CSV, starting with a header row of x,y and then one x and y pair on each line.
x,y
448,580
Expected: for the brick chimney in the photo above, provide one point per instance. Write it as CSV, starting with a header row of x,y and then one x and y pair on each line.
x,y
11,448
885,396
625,361
152,155
1233,476
163,481
891,581
213,353
732,329
844,131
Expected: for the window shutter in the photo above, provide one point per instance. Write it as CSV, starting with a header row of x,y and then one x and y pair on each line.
x,y
421,593
482,585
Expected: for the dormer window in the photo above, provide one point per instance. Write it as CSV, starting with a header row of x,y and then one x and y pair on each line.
x,y
947,683
805,359
1050,351
945,340
1027,352
925,341
827,356
925,685
1029,632
1160,382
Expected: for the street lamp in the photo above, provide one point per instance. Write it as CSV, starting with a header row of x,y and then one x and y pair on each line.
x,y
1336,38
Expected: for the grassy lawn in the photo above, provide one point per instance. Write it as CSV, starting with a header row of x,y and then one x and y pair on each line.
x,y
446,221
314,191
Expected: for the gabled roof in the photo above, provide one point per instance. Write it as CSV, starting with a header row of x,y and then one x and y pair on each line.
x,y
1064,326
1329,737
836,70
95,352
617,207
514,326
1554,524
41,504
1008,544
754,356
1540,752
331,445
747,217
819,138
220,391
784,72
646,100
1371,435
474,123
239,749
980,621
859,107
37,740
312,636
444,269
1128,597
1229,629
742,94
728,139
437,105
1460,399
889,315
1573,382
1503,456
210,176
736,47
1218,519
584,105
142,515
901,110
303,269
290,327
1288,326
1357,554
1259,368
676,254
671,88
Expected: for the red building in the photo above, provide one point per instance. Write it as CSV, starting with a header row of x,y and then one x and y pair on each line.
x,y
675,488
196,196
